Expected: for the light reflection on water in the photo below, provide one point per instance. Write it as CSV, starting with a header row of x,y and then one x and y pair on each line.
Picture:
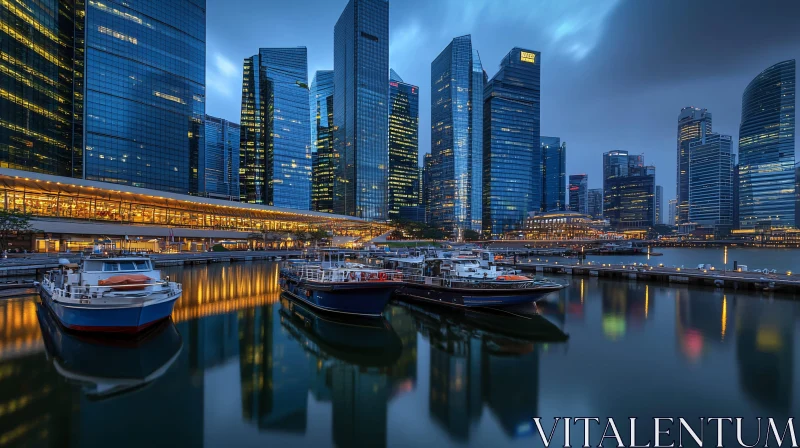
x,y
244,366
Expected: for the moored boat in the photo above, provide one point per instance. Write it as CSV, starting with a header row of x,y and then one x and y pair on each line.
x,y
108,294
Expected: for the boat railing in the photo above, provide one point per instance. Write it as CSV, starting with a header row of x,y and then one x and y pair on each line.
x,y
317,273
87,292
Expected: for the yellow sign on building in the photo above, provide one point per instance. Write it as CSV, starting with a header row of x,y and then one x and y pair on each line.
x,y
527,57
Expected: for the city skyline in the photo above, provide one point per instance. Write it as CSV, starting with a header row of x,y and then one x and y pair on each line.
x,y
578,63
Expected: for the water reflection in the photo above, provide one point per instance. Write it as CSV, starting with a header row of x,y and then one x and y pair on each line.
x,y
252,368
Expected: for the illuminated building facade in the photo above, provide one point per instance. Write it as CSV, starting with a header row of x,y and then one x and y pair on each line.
x,y
403,145
659,204
766,149
145,93
457,82
512,161
427,174
554,167
595,208
219,166
275,158
629,191
579,193
40,115
711,181
560,226
323,157
693,123
361,109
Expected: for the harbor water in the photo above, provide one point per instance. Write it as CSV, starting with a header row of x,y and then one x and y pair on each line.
x,y
241,366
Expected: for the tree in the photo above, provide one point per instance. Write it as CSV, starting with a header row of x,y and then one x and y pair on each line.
x,y
396,234
471,235
13,223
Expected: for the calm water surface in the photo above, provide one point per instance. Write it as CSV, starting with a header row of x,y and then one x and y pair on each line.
x,y
241,366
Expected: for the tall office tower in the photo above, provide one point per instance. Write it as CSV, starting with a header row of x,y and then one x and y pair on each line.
x,y
596,203
711,181
403,145
512,167
693,123
672,212
41,108
221,159
554,166
736,201
145,93
427,172
456,139
796,192
629,191
766,149
275,160
579,193
361,109
659,205
323,157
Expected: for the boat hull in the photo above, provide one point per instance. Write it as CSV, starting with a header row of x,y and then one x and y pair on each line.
x,y
361,299
109,319
464,297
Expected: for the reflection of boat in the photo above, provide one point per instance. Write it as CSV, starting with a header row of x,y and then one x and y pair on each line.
x,y
364,341
118,295
502,330
107,366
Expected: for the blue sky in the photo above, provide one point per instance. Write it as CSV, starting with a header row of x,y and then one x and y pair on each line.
x,y
615,73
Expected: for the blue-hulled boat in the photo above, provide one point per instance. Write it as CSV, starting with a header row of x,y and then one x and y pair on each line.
x,y
115,295
346,288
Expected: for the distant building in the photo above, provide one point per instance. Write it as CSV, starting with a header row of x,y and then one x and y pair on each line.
x,y
361,109
275,159
736,201
596,203
628,191
672,212
403,145
427,171
512,171
456,137
414,213
323,157
766,149
711,181
579,193
693,123
221,174
659,204
561,226
554,165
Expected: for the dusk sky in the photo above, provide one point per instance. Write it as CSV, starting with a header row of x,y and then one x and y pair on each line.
x,y
615,73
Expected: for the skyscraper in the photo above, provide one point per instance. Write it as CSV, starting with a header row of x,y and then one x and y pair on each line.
x,y
275,160
711,181
579,193
512,167
629,190
221,159
456,139
427,173
659,205
672,212
554,166
766,148
361,109
596,203
693,123
403,145
42,70
323,157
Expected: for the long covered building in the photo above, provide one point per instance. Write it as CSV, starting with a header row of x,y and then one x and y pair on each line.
x,y
74,214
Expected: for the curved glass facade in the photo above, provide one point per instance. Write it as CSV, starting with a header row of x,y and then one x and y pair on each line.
x,y
403,145
512,160
766,149
323,161
361,109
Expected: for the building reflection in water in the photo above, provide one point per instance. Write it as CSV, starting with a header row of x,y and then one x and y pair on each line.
x,y
701,321
625,305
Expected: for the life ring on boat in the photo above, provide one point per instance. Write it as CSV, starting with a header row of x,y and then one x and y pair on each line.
x,y
308,293
382,276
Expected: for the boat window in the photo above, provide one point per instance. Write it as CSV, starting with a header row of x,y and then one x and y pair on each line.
x,y
108,266
142,265
127,265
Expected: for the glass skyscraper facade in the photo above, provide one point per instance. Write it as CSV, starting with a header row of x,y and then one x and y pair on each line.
x,y
595,208
403,145
145,93
629,190
711,181
512,161
220,172
456,142
579,193
361,109
693,123
323,157
659,204
766,149
41,86
275,153
554,167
